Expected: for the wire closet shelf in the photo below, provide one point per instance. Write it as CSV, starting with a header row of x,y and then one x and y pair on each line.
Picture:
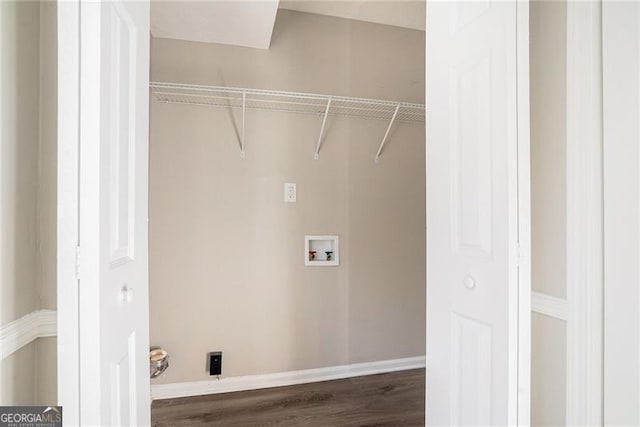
x,y
295,102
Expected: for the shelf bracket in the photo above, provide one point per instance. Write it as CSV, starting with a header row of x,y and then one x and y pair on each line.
x,y
244,108
324,121
386,134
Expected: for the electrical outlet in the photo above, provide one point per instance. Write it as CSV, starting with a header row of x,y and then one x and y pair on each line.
x,y
290,192
215,363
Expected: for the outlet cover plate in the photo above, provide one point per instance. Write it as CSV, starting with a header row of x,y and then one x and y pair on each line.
x,y
215,363
290,192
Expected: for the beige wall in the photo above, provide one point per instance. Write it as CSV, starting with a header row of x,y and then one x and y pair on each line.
x,y
47,159
548,191
18,378
226,253
45,372
19,181
28,176
20,100
46,348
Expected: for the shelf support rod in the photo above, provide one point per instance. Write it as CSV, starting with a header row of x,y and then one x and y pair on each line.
x,y
324,121
244,107
386,134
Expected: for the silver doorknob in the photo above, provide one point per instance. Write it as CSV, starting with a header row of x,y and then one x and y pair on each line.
x,y
469,282
126,294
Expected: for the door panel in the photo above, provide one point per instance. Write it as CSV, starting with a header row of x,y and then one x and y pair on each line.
x,y
122,86
471,157
472,213
470,371
113,213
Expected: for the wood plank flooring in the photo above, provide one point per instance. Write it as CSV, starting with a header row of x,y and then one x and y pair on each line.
x,y
394,399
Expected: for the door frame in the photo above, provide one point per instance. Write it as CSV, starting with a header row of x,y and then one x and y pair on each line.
x,y
68,210
69,266
585,201
521,303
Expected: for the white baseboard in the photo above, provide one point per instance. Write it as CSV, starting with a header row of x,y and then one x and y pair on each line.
x,y
548,305
254,382
20,332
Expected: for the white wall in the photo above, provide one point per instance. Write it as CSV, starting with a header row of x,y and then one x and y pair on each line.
x,y
226,254
548,192
621,125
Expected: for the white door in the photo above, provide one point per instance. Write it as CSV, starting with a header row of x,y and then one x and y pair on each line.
x,y
111,39
621,126
477,213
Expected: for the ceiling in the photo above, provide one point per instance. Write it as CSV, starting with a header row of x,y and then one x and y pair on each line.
x,y
249,23
400,13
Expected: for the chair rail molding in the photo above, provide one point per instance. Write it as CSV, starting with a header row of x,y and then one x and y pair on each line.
x,y
585,279
28,328
549,305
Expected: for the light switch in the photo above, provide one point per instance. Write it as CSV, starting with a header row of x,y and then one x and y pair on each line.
x,y
290,192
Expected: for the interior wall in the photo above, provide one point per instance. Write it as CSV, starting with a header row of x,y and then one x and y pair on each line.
x,y
548,192
19,157
28,179
18,379
46,348
47,159
621,166
226,253
20,99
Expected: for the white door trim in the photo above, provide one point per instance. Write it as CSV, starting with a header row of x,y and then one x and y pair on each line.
x,y
90,127
584,214
68,229
522,303
2,255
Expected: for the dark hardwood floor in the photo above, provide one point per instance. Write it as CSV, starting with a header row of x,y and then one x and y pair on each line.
x,y
394,399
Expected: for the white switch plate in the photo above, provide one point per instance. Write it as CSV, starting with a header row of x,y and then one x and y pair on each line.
x,y
290,192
